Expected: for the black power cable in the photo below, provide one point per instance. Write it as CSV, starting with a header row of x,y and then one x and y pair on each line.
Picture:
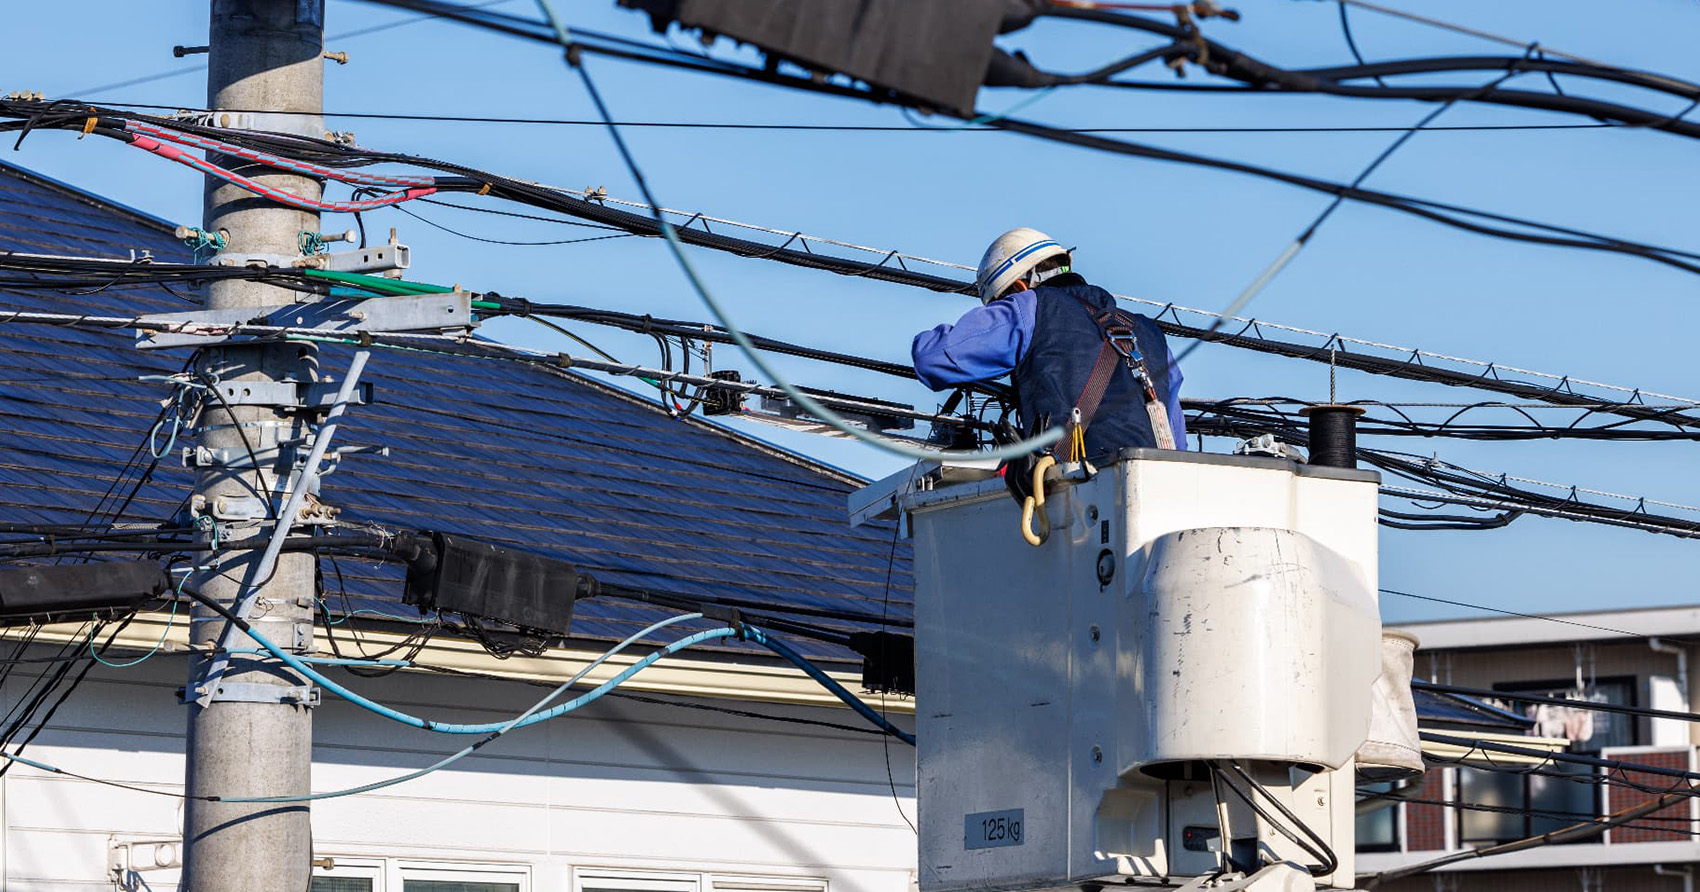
x,y
1589,705
333,154
1315,846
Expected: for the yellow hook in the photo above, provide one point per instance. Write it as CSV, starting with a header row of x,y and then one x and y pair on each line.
x,y
1035,503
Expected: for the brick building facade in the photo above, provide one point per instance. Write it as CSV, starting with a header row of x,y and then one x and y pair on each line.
x,y
1475,803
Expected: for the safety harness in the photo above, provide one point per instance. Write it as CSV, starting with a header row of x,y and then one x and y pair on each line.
x,y
1120,348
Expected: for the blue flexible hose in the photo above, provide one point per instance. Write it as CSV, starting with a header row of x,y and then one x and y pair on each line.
x,y
318,678
815,672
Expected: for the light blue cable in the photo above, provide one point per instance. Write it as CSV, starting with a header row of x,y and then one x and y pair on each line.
x,y
515,722
750,633
532,715
1014,450
318,678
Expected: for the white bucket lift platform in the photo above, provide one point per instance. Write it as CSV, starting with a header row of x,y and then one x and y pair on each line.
x,y
1187,610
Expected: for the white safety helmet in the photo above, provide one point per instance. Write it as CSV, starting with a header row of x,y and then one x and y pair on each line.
x,y
1011,257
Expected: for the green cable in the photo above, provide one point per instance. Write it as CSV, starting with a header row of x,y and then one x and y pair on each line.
x,y
172,621
379,283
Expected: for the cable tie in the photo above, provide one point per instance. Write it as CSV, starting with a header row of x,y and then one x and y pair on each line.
x,y
484,190
365,338
88,125
563,360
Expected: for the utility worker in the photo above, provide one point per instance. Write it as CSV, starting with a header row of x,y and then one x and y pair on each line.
x,y
1075,358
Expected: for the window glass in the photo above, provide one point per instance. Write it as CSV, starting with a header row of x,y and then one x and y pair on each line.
x,y
341,884
1379,830
1492,791
1564,801
456,886
1589,730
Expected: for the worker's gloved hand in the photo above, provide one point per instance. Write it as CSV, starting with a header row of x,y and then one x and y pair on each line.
x,y
1018,477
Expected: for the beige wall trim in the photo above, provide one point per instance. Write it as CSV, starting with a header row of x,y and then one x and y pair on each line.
x,y
684,673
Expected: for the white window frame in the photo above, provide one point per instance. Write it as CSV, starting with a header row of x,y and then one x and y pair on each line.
x,y
392,874
404,869
600,879
356,868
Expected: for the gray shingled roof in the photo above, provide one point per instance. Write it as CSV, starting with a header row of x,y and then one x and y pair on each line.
x,y
541,459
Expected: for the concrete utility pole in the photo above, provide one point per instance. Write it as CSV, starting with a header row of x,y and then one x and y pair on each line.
x,y
254,736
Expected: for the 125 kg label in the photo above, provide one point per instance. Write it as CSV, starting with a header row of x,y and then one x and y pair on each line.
x,y
990,829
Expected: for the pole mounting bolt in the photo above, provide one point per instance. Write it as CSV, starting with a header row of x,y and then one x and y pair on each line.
x,y
339,57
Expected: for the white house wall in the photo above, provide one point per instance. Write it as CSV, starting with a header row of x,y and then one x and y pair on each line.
x,y
622,785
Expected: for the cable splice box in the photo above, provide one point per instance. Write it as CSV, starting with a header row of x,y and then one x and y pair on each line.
x,y
454,574
49,594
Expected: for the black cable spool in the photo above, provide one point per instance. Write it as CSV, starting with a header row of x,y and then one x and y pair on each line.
x,y
1333,435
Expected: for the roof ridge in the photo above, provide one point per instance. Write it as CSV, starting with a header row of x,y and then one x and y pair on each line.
x,y
90,198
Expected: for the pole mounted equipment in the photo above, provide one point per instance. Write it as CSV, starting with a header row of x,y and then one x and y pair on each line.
x,y
263,54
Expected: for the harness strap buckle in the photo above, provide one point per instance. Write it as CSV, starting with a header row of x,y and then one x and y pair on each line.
x,y
1121,339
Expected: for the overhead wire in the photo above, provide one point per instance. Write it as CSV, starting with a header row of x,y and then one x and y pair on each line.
x,y
1489,376
851,128
1298,244
345,35
802,399
1587,705
743,632
1504,612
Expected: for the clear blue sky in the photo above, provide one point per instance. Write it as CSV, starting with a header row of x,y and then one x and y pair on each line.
x,y
1189,235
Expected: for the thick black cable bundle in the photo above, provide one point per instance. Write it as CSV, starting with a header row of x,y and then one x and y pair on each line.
x,y
1227,62
1468,486
1262,410
328,153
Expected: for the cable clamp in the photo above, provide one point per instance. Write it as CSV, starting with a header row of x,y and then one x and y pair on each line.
x,y
563,360
257,692
728,615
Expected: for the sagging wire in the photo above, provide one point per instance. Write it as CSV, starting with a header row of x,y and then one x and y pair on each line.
x,y
180,411
281,196
808,404
1454,426
1504,612
1298,244
1589,705
1491,377
413,644
515,722
1463,486
1678,792
744,632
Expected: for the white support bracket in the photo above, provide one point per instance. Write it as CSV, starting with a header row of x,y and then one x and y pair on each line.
x,y
312,396
255,692
127,859
376,259
449,313
215,666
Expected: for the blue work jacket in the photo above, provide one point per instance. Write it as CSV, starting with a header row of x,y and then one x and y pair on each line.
x,y
994,340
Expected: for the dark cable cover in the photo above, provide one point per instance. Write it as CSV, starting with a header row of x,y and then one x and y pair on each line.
x,y
74,591
453,574
934,51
